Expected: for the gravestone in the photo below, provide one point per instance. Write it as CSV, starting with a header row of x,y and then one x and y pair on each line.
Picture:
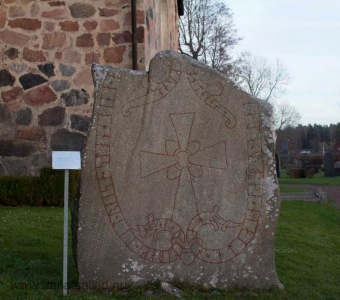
x,y
329,165
284,146
178,180
277,163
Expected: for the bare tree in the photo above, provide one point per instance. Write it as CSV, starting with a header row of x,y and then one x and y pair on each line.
x,y
286,115
260,78
207,33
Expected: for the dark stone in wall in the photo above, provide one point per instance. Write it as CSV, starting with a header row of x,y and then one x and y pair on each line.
x,y
24,116
39,161
60,85
64,140
66,70
5,116
75,97
30,80
18,149
80,123
14,166
47,69
82,10
52,116
6,78
11,53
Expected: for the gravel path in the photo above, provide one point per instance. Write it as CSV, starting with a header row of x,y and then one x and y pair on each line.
x,y
331,191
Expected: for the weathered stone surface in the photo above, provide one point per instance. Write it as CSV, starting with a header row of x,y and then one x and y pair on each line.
x,y
58,13
64,140
85,40
108,12
34,10
33,55
84,78
58,55
90,25
18,68
24,116
16,11
30,80
14,38
122,37
72,56
40,96
75,97
6,78
35,134
92,57
39,161
69,26
114,55
14,166
60,85
329,165
12,94
56,3
103,38
47,69
2,18
183,163
66,70
171,290
11,53
54,40
24,23
52,116
49,26
80,123
13,148
5,116
82,10
109,25
140,18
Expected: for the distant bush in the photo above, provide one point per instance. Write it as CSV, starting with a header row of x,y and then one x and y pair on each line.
x,y
301,173
45,190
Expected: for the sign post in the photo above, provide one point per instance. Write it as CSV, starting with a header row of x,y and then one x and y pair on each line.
x,y
66,160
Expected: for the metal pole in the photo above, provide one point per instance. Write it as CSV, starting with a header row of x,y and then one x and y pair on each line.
x,y
66,183
134,34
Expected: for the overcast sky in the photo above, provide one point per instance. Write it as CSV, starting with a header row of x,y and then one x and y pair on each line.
x,y
305,35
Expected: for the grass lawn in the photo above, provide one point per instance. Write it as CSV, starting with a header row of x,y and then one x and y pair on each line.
x,y
307,257
318,179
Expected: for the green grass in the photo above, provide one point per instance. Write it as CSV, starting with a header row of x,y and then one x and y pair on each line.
x,y
307,256
318,179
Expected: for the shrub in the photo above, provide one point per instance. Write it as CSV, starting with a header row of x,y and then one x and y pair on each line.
x,y
45,190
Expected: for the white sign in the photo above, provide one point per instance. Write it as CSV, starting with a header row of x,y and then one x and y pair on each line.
x,y
66,160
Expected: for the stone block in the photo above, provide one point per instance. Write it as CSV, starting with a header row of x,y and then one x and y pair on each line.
x,y
84,78
122,37
75,97
3,16
24,23
12,94
108,12
15,148
14,38
72,56
82,10
85,40
24,116
182,194
92,57
66,70
16,11
58,13
90,25
14,166
30,80
64,140
40,96
52,116
80,123
39,161
54,40
103,38
60,85
33,55
69,26
115,54
109,25
47,69
35,134
11,53
6,78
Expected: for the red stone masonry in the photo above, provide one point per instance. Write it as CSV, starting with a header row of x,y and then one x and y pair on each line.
x,y
46,51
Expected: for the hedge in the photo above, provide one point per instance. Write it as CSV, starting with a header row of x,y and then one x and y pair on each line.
x,y
45,190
